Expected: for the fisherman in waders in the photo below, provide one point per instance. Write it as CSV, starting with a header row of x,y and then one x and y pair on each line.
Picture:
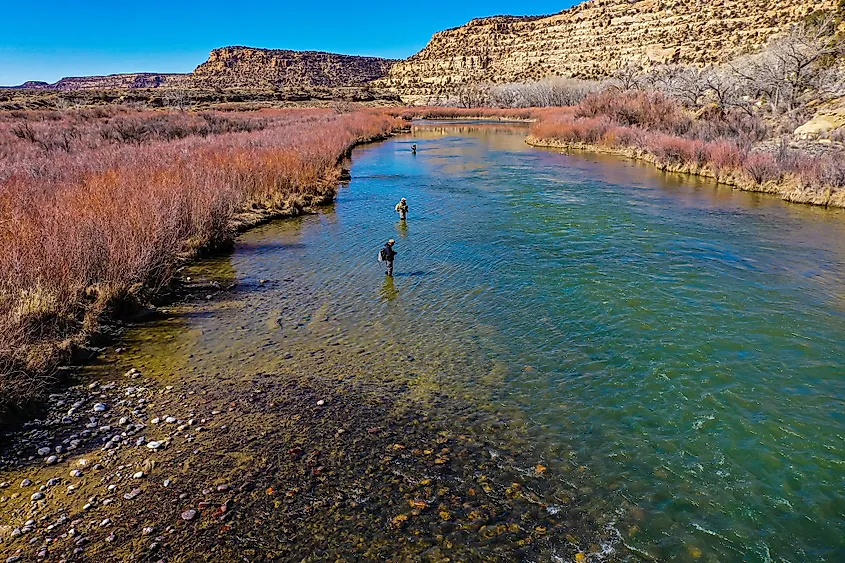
x,y
402,209
386,255
414,149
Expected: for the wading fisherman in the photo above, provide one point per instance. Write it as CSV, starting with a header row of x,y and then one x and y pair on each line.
x,y
414,149
402,209
386,255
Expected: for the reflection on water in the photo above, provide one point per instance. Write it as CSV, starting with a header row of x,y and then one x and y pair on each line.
x,y
388,289
402,228
677,342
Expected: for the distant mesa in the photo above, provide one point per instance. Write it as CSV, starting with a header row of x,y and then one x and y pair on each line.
x,y
243,68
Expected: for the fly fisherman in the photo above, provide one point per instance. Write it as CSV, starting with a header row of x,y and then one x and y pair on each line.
x,y
386,255
402,209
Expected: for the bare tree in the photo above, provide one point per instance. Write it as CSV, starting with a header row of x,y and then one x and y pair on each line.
x,y
178,98
796,67
473,96
628,76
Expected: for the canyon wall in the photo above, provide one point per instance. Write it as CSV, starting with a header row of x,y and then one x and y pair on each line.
x,y
593,39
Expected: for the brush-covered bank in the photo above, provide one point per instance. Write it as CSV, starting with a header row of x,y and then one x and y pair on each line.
x,y
102,206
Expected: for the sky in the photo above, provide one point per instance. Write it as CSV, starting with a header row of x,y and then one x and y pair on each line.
x,y
48,40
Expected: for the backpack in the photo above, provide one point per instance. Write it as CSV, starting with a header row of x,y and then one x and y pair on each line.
x,y
381,256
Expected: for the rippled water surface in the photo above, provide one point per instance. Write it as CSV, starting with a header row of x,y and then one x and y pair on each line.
x,y
680,342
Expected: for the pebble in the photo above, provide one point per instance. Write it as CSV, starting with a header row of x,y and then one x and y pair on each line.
x,y
131,495
167,483
44,451
189,515
320,403
100,407
105,523
75,473
53,482
222,488
170,419
139,475
36,497
26,483
71,488
154,445
13,559
156,420
82,463
52,460
148,531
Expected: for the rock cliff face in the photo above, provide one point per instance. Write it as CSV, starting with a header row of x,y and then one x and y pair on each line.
x,y
244,67
593,39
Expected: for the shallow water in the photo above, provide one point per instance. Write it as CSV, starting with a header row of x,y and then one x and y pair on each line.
x,y
681,343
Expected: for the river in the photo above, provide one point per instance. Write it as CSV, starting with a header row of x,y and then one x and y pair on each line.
x,y
679,345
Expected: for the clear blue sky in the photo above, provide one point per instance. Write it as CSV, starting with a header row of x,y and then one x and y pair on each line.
x,y
47,40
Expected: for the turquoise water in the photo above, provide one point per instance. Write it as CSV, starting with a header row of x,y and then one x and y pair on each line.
x,y
688,342
682,343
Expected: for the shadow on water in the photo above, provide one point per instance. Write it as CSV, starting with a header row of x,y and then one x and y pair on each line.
x,y
413,274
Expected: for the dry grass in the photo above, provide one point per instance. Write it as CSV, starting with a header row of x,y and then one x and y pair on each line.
x,y
99,206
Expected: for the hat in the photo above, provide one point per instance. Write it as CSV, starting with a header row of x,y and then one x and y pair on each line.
x,y
403,199
391,241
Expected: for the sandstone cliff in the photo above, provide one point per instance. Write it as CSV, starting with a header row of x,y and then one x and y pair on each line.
x,y
245,67
592,39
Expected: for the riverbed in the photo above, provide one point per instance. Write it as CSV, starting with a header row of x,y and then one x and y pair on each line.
x,y
638,365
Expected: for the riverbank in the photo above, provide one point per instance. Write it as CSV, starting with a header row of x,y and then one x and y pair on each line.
x,y
318,460
129,199
789,188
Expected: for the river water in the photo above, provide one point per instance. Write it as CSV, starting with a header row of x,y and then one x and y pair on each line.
x,y
681,344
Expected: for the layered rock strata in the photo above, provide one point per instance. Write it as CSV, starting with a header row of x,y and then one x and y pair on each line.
x,y
592,40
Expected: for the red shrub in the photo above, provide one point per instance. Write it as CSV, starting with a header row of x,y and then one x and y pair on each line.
x,y
649,110
762,167
725,156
